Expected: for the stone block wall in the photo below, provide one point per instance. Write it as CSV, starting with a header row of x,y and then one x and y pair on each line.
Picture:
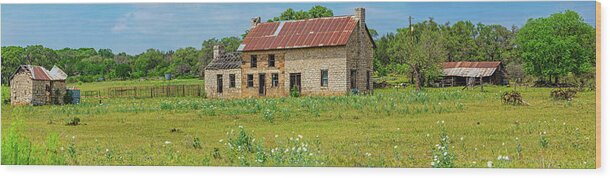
x,y
60,87
210,80
360,57
263,67
310,61
21,89
41,92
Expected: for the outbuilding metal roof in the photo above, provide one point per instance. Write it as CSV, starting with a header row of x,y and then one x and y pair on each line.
x,y
325,31
470,69
226,61
40,73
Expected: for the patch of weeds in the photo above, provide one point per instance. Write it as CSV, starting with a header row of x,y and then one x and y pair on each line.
x,y
74,121
196,143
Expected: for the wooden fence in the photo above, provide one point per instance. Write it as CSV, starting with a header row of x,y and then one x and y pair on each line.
x,y
146,92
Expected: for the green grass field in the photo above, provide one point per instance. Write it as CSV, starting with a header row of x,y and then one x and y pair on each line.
x,y
392,128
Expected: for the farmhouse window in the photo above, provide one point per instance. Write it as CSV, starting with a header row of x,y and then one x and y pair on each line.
x,y
274,80
271,60
231,80
250,80
253,61
324,78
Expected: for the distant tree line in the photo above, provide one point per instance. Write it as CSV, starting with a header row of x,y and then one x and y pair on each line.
x,y
88,64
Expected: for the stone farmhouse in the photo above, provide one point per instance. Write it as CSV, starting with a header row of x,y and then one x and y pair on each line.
x,y
319,56
35,85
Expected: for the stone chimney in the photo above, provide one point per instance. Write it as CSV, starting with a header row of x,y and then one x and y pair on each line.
x,y
254,21
360,15
218,51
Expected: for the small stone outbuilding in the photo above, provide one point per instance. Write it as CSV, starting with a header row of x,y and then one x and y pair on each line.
x,y
35,85
318,56
223,75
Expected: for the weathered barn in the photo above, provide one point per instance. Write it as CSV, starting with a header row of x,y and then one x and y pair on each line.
x,y
35,85
473,73
319,56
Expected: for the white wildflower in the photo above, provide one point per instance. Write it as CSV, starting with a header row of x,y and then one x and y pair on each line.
x,y
167,142
395,146
220,141
300,136
276,136
490,164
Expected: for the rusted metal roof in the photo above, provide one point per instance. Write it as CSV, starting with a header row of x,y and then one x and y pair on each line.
x,y
316,32
225,61
466,64
470,69
40,73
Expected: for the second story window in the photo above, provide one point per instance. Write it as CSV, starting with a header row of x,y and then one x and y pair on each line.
x,y
250,80
271,60
253,61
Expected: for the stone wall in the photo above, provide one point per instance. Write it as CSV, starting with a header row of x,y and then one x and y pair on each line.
x,y
211,89
41,93
263,67
60,87
21,88
360,57
307,61
310,61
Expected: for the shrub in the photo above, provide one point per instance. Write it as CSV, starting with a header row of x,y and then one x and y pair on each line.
x,y
73,121
563,94
16,149
443,158
513,97
196,143
294,91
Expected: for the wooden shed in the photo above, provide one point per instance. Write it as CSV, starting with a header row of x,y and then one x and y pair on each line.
x,y
473,73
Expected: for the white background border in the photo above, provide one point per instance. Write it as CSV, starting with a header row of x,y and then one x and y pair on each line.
x,y
183,171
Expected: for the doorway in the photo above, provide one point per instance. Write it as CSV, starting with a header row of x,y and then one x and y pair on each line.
x,y
295,81
219,83
261,84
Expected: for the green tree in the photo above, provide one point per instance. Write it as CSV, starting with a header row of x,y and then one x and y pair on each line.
x,y
315,12
11,58
557,45
319,11
421,50
461,41
185,61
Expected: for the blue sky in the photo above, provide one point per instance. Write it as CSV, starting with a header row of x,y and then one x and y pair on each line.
x,y
133,28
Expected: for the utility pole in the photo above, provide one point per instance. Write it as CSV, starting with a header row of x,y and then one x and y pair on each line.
x,y
410,27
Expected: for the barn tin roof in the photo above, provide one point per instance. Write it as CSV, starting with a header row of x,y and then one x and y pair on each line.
x,y
316,32
226,61
470,69
40,73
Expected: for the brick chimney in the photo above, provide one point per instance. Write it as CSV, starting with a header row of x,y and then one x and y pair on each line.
x,y
254,21
218,51
360,15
